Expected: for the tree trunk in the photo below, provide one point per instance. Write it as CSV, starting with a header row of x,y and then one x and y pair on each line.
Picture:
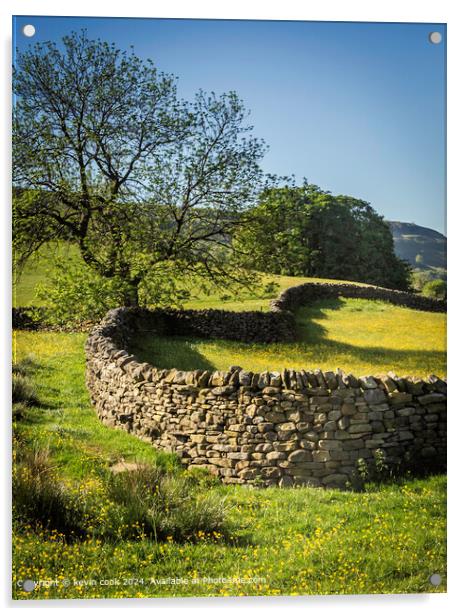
x,y
131,295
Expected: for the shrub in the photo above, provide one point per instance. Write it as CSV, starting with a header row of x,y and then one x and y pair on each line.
x,y
75,295
436,289
201,478
19,411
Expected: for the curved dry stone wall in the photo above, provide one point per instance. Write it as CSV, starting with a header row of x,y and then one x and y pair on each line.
x,y
272,428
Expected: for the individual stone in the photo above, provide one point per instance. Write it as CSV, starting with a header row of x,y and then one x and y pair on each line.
x,y
276,455
374,396
389,384
368,382
430,398
329,444
311,436
271,391
300,455
224,390
264,380
244,378
321,456
359,428
348,408
331,380
400,397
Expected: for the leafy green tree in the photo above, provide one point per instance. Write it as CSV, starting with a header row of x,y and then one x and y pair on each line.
x,y
108,158
309,232
436,289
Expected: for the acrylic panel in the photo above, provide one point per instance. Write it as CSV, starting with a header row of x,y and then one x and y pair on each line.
x,y
229,308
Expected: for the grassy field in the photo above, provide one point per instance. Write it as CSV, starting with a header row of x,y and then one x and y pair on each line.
x,y
388,539
40,267
359,336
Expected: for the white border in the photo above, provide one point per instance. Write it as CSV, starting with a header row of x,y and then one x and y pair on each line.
x,y
449,11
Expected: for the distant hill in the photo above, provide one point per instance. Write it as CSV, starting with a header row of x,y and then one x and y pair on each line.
x,y
423,248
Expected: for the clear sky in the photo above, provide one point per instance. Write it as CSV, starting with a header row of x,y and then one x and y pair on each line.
x,y
356,108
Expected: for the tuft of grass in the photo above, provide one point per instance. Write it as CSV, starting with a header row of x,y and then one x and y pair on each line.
x,y
158,504
41,498
23,390
145,502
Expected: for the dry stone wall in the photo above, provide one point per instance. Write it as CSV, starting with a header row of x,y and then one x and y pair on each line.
x,y
305,294
273,428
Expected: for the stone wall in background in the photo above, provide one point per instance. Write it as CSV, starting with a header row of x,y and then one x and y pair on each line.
x,y
270,428
305,294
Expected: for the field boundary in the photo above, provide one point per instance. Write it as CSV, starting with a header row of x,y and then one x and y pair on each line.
x,y
276,428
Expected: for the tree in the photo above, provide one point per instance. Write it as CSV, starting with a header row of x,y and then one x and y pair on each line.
x,y
305,231
436,289
108,158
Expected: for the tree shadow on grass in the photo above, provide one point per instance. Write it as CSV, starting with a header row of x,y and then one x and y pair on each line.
x,y
313,349
379,357
308,329
170,352
313,337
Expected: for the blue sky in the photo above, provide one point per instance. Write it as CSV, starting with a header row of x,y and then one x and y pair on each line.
x,y
356,108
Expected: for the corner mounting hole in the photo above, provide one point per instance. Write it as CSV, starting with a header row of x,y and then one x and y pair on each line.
x,y
29,30
435,579
435,38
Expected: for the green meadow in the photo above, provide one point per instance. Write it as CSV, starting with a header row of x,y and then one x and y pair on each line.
x,y
358,336
297,541
387,539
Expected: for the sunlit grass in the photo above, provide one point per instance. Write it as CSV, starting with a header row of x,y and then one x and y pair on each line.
x,y
288,541
359,336
297,541
66,422
38,269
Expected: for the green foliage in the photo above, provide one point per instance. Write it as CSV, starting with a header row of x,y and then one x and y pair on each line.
x,y
436,289
379,470
108,158
75,294
307,231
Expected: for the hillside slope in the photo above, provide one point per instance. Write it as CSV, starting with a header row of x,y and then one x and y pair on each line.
x,y
411,241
